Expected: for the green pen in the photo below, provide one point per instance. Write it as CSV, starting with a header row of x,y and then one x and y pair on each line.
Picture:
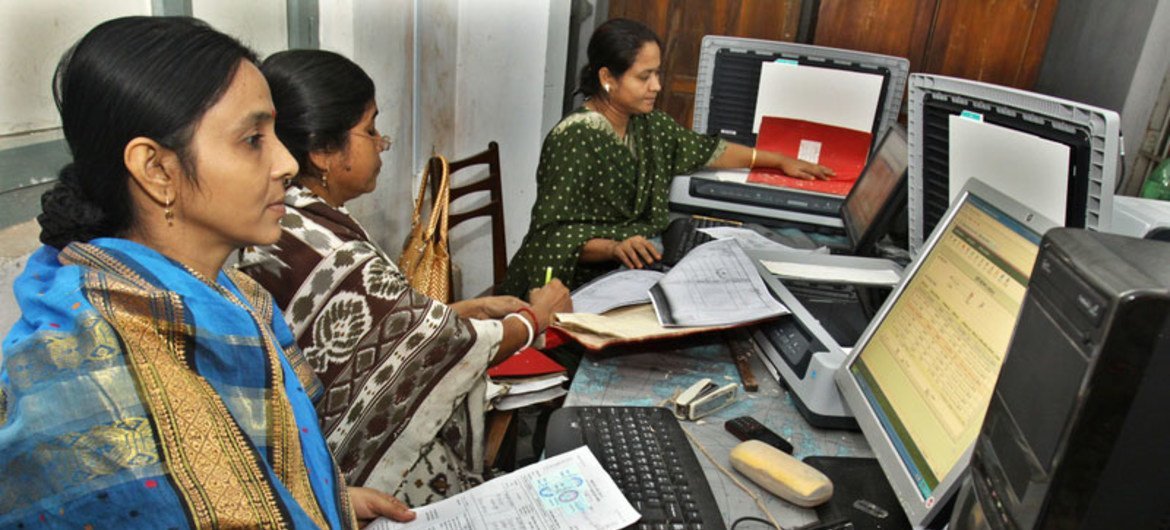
x,y
547,275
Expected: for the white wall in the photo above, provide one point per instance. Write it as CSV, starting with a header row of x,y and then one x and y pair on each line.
x,y
467,77
260,24
33,35
508,88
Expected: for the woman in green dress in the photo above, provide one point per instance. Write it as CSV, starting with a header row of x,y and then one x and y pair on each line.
x,y
604,175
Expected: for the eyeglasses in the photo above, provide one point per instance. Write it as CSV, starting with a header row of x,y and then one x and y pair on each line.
x,y
383,142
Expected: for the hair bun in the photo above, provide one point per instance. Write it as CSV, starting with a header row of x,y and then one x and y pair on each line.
x,y
67,215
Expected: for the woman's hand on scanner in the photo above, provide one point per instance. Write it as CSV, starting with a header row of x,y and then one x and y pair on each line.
x,y
635,252
795,167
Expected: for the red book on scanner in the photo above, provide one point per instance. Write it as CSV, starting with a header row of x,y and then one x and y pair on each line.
x,y
845,151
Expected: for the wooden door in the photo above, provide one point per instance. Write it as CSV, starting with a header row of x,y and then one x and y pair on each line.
x,y
995,41
682,24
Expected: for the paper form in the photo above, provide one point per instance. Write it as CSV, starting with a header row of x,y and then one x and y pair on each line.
x,y
829,96
749,239
569,491
716,284
1020,165
832,273
515,401
616,289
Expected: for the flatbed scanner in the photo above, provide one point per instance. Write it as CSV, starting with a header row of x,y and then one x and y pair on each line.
x,y
725,104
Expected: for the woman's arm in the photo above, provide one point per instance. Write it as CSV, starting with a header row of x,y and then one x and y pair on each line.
x,y
487,307
737,156
634,252
546,301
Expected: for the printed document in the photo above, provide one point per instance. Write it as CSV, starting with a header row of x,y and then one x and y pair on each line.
x,y
749,239
716,284
832,274
568,491
617,289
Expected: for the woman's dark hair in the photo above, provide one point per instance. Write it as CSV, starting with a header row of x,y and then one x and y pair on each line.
x,y
614,45
319,97
152,77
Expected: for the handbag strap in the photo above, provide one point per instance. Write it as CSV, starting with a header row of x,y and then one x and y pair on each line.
x,y
438,218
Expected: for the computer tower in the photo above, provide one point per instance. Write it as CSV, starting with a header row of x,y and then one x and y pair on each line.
x,y
1077,435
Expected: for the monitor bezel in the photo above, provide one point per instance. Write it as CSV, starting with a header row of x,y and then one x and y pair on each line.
x,y
862,242
921,512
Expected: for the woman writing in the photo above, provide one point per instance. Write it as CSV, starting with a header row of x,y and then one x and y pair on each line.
x,y
144,386
604,174
403,374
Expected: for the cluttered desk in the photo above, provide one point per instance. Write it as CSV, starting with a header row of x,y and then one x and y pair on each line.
x,y
992,383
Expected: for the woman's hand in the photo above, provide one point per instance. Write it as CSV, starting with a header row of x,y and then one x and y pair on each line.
x,y
635,252
552,298
488,307
369,504
800,169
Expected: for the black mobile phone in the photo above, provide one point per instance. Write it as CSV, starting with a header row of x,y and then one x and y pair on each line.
x,y
747,428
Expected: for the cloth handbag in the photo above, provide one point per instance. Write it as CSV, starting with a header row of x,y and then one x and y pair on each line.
x,y
426,258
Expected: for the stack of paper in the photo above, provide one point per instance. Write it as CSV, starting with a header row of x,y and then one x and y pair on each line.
x,y
526,378
716,284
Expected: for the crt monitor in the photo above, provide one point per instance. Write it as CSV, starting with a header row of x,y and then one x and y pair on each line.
x,y
920,378
959,129
878,195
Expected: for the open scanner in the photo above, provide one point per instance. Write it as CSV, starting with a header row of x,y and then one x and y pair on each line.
x,y
725,104
798,350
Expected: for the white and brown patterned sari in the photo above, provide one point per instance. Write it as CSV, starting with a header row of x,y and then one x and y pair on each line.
x,y
404,375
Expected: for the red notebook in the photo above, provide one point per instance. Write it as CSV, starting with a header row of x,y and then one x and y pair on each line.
x,y
842,150
528,362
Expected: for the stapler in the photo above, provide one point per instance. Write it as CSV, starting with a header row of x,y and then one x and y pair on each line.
x,y
703,398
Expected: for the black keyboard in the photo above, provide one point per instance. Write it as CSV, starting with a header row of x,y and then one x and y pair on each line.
x,y
648,455
683,234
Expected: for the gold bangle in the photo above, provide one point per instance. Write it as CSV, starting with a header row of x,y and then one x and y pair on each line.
x,y
752,164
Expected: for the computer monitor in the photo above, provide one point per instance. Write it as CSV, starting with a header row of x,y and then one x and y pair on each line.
x,y
880,193
1007,129
919,380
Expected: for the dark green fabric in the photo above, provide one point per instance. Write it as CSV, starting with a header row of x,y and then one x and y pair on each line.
x,y
592,185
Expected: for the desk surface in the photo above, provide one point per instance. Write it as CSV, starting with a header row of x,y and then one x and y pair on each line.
x,y
649,379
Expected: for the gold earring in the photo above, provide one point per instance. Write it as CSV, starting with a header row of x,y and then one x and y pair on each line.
x,y
325,179
168,213
607,88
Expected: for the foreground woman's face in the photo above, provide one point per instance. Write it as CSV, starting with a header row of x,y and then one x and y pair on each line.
x,y
240,168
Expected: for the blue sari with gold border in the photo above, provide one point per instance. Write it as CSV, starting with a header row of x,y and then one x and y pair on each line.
x,y
136,394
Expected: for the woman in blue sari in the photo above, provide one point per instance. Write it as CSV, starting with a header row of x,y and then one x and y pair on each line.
x,y
144,386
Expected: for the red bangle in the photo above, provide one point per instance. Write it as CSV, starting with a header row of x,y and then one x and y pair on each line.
x,y
532,314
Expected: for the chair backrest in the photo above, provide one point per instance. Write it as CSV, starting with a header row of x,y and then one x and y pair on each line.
x,y
494,208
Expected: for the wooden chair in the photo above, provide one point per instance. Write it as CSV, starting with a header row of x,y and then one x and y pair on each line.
x,y
494,208
498,423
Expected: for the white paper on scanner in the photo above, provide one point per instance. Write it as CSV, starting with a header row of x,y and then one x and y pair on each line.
x,y
829,96
1026,167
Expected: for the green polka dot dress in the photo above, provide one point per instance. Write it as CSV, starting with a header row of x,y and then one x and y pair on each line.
x,y
592,184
